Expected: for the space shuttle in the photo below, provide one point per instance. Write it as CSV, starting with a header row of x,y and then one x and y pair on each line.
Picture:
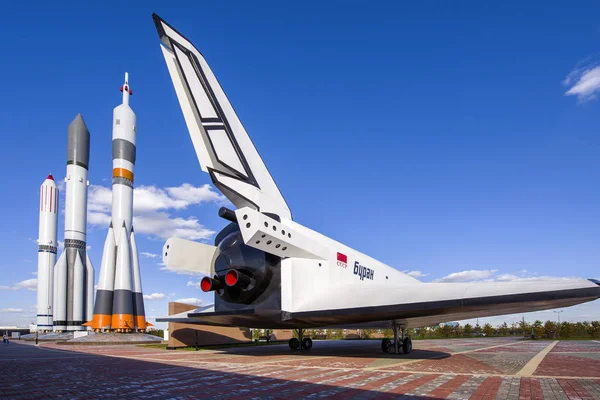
x,y
268,271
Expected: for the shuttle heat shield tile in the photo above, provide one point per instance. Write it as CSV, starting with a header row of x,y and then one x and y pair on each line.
x,y
182,255
271,236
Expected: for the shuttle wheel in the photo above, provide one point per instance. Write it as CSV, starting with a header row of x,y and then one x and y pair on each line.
x,y
306,343
407,346
294,343
387,346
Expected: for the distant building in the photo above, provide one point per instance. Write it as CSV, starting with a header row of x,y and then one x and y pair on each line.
x,y
451,324
9,330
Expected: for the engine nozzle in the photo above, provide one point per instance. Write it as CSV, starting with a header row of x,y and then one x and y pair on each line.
x,y
235,278
209,284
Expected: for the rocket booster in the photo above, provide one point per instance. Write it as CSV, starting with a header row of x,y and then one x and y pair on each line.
x,y
119,301
74,273
47,246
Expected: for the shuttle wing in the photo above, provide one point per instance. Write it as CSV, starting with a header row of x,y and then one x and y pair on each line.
x,y
414,306
222,145
430,303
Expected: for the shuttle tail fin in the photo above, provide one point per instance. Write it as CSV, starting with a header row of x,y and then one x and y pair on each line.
x,y
222,145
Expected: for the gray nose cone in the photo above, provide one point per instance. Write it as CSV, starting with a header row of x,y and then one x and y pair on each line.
x,y
78,143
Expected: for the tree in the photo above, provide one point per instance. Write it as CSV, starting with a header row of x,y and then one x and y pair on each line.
x,y
336,334
594,329
446,331
538,329
468,330
550,330
488,329
503,329
457,331
524,327
368,333
156,332
421,333
566,330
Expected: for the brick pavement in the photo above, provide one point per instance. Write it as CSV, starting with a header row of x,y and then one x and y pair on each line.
x,y
478,369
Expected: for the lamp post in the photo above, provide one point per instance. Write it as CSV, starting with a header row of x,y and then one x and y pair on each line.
x,y
558,315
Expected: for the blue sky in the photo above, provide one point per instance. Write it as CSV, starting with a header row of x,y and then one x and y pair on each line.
x,y
445,138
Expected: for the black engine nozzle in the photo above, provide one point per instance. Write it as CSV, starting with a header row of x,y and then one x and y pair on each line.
x,y
227,214
244,271
235,278
209,284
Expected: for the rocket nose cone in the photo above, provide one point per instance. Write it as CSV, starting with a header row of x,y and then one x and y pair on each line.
x,y
78,142
50,177
78,123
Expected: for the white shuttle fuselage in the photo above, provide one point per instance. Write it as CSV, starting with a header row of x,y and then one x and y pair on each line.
x,y
268,271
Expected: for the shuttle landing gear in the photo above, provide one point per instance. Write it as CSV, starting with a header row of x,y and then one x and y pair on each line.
x,y
400,342
294,343
300,343
307,343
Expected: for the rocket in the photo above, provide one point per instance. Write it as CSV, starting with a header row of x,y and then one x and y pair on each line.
x,y
73,273
119,302
47,246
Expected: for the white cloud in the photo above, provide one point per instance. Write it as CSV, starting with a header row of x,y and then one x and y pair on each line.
x,y
512,278
489,275
11,310
154,296
507,277
190,300
152,206
30,284
162,225
193,284
467,276
584,82
415,274
148,255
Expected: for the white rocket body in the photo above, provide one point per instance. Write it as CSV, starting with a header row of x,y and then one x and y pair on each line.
x,y
74,273
47,246
119,301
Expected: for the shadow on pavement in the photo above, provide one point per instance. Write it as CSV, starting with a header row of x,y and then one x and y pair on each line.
x,y
32,372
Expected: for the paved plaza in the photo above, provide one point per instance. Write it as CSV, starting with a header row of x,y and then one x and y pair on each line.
x,y
498,368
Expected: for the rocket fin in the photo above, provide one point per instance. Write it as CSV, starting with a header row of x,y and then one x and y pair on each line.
x,y
79,285
138,297
222,145
60,293
103,306
122,311
89,292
